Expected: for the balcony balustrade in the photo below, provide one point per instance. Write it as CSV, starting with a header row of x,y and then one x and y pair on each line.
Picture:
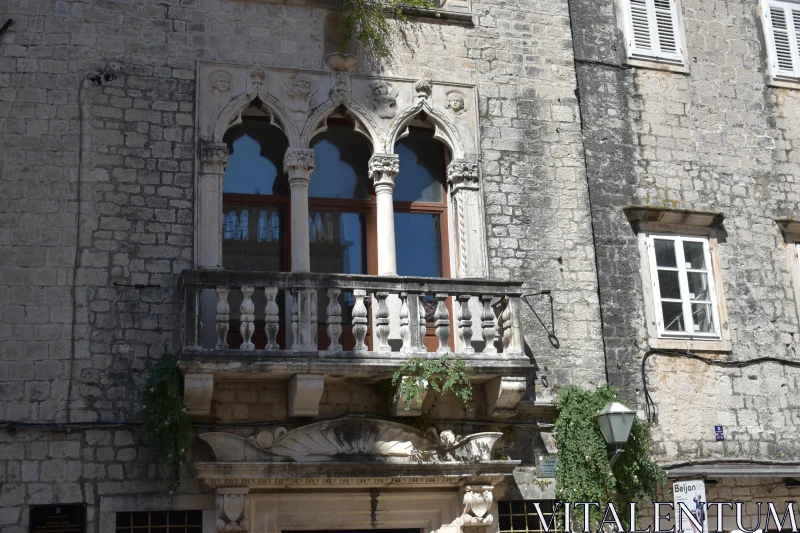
x,y
297,325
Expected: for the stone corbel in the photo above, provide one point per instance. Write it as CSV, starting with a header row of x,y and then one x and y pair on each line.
x,y
462,177
197,390
399,402
504,394
477,516
232,509
213,162
305,391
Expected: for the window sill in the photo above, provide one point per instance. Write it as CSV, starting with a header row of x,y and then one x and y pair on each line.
x,y
657,64
784,84
693,345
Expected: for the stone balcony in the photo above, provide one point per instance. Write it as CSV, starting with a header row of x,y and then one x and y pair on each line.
x,y
307,328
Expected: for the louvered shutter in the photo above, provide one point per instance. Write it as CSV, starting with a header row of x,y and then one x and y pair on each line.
x,y
653,30
783,25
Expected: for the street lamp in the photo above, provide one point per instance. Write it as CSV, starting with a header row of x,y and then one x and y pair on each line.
x,y
615,421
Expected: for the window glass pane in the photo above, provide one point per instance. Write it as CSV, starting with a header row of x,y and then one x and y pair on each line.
x,y
255,165
665,253
341,162
672,313
123,519
141,519
518,522
698,286
253,238
701,316
158,518
336,242
694,255
194,518
421,167
505,522
668,284
419,244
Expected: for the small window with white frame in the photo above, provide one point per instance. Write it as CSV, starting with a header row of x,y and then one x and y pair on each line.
x,y
782,30
683,286
652,30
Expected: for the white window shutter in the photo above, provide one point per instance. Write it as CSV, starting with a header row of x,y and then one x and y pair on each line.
x,y
653,30
782,25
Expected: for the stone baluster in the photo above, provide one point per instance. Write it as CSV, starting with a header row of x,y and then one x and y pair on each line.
x,y
382,322
442,323
273,325
334,320
295,319
223,316
247,309
423,322
487,323
510,322
504,321
404,332
360,320
383,168
464,324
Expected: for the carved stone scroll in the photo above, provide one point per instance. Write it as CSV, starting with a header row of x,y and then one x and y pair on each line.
x,y
197,391
305,391
504,394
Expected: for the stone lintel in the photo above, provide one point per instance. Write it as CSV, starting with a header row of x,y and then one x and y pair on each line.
x,y
305,391
197,390
504,394
640,214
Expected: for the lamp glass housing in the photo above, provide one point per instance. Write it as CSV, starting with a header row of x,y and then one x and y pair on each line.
x,y
615,421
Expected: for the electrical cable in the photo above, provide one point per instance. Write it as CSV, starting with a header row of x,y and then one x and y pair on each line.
x,y
650,406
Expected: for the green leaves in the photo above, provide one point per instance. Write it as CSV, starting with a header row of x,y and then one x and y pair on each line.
x,y
165,420
444,375
367,21
583,473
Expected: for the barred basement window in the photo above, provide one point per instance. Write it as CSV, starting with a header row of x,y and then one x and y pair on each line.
x,y
782,29
520,516
652,30
683,286
160,522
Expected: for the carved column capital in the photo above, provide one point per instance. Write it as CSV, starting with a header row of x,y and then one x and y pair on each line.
x,y
232,506
383,168
298,164
477,504
462,174
213,158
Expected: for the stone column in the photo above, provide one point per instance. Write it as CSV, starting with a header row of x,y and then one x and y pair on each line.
x,y
299,164
470,241
383,168
213,161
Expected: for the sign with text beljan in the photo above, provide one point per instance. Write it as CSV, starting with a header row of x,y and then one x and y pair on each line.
x,y
68,518
691,516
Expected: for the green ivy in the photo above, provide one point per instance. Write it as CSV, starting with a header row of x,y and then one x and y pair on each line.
x,y
367,21
165,420
583,473
444,375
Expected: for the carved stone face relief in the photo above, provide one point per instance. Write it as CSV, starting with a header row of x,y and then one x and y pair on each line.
x,y
258,75
299,93
220,81
456,102
384,98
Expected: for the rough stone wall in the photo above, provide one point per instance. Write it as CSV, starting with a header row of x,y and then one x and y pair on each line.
x,y
135,162
716,139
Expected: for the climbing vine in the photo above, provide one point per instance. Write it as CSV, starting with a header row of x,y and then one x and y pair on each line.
x,y
165,420
367,21
583,473
445,375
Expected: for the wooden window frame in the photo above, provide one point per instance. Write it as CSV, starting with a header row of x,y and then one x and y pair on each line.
x,y
781,77
678,62
720,342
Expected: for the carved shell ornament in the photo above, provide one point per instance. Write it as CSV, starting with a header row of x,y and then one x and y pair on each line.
x,y
352,436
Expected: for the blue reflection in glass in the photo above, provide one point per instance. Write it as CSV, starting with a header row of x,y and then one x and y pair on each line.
x,y
341,159
249,172
419,245
336,242
421,167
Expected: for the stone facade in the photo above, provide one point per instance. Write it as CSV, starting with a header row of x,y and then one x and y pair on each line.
x,y
99,215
